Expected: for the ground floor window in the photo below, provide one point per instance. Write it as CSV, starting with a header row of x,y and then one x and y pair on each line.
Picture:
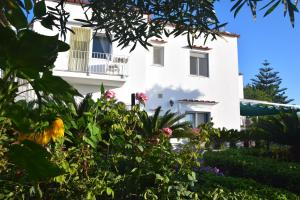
x,y
197,118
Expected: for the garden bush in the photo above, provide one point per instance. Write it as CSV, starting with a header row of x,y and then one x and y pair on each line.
x,y
277,152
211,186
283,129
104,154
265,170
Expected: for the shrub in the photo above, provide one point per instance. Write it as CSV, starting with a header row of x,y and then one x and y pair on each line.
x,y
277,152
211,186
265,170
105,155
281,129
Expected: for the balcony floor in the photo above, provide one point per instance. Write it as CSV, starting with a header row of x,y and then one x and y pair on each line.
x,y
83,78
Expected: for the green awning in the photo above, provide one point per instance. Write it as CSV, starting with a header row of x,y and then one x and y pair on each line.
x,y
248,109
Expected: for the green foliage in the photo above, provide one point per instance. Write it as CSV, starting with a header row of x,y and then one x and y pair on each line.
x,y
34,159
281,129
125,20
216,137
269,6
250,92
277,152
212,186
153,125
106,156
265,170
27,58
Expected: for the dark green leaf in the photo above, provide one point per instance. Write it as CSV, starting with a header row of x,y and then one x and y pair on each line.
x,y
28,4
39,9
34,159
271,9
15,15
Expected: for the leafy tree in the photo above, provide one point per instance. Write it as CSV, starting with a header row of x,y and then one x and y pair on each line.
x,y
250,92
269,82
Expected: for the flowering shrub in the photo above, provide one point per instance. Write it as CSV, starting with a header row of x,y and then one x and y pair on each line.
x,y
105,154
141,97
54,132
167,131
109,94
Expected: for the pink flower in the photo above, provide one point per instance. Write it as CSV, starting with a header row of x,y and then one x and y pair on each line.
x,y
167,131
196,130
141,97
109,94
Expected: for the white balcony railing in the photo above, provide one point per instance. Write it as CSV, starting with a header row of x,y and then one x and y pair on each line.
x,y
97,63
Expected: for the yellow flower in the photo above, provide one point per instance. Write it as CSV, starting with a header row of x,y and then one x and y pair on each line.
x,y
57,129
54,132
43,138
40,138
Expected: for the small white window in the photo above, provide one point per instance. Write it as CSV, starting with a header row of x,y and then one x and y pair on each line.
x,y
158,56
199,64
197,118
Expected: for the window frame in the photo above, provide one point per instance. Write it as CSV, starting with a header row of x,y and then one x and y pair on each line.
x,y
195,113
163,54
92,43
199,55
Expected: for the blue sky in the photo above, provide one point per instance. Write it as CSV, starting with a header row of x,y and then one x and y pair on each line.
x,y
271,38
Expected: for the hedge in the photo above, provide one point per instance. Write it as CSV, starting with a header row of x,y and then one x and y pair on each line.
x,y
264,170
215,187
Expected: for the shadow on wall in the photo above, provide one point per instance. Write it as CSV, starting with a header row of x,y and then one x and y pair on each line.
x,y
161,96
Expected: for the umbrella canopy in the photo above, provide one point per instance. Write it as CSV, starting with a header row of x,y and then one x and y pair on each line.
x,y
260,108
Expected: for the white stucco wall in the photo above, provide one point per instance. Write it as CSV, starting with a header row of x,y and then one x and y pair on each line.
x,y
241,86
173,80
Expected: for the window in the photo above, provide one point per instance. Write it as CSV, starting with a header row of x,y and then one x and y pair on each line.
x,y
101,46
199,64
158,56
197,118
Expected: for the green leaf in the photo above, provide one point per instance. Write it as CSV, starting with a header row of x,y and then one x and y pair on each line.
x,y
140,147
15,15
102,90
159,177
62,46
192,176
34,159
109,192
39,9
138,159
271,9
28,4
50,84
89,141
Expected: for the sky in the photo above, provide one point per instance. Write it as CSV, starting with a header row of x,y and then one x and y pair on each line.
x,y
272,38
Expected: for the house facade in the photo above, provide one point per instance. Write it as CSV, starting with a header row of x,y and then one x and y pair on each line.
x,y
202,82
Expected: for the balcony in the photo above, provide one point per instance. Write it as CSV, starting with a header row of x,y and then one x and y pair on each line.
x,y
93,68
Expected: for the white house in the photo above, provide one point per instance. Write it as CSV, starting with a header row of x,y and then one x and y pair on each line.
x,y
202,82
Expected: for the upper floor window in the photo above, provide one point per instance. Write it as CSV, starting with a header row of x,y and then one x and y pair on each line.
x,y
197,118
158,56
101,45
199,64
